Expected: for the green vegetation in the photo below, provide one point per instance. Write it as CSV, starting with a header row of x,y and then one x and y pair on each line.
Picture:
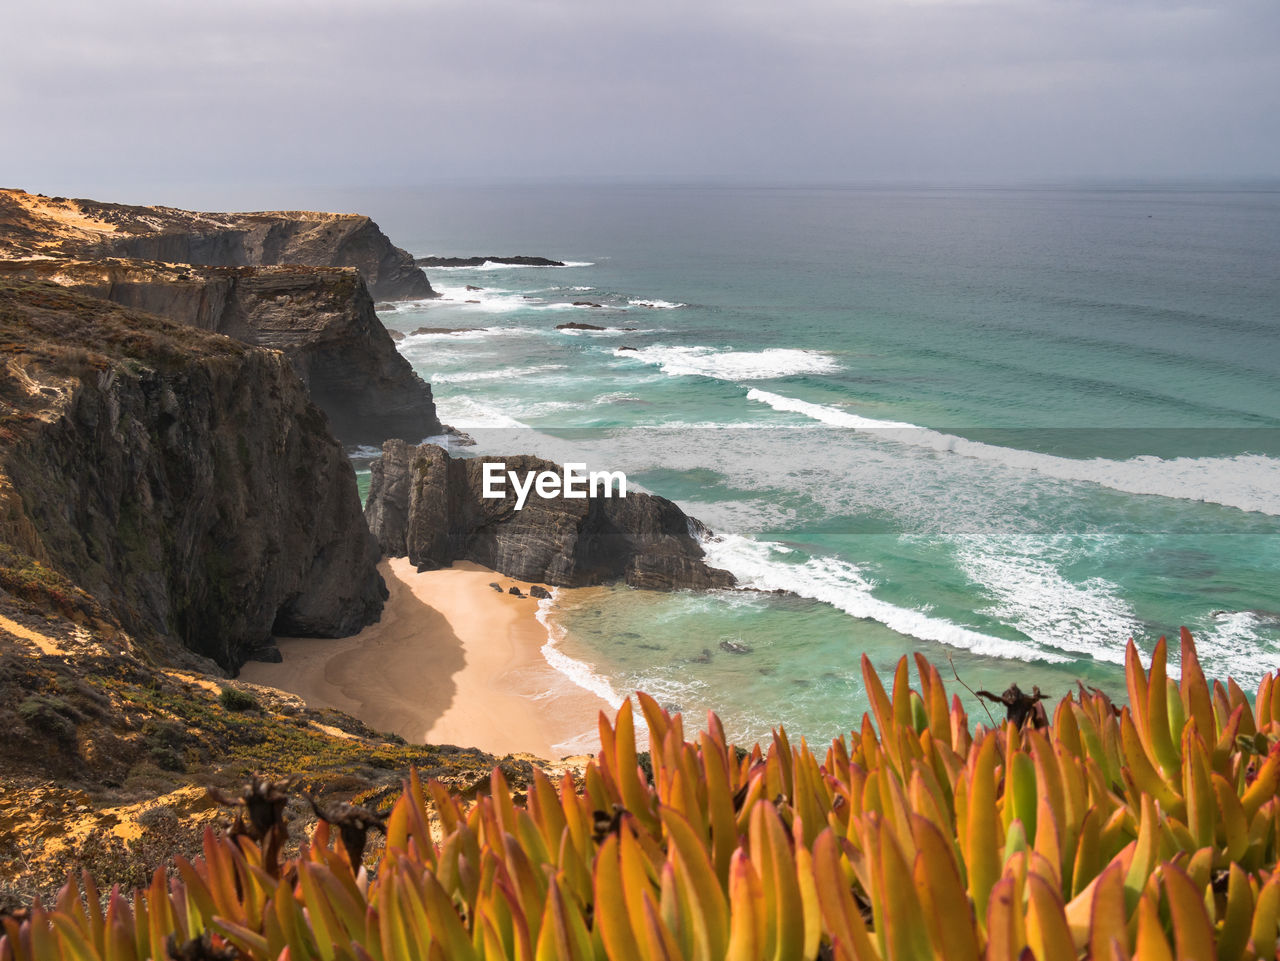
x,y
1147,832
44,589
234,699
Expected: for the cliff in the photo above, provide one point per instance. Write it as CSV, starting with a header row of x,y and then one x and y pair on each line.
x,y
322,318
32,225
182,479
428,505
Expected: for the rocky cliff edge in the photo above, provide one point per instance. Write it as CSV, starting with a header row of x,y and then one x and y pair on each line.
x,y
181,478
32,225
322,318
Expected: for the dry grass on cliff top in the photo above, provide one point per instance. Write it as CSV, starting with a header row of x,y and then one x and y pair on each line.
x,y
49,323
107,757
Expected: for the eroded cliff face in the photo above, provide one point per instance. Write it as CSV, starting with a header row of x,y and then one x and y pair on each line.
x,y
181,478
427,505
35,226
322,318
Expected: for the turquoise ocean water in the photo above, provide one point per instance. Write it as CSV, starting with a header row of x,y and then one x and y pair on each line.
x,y
1013,427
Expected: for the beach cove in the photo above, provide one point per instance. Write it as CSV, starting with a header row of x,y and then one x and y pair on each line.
x,y
452,661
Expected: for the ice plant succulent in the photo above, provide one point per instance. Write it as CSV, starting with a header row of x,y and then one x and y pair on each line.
x,y
1147,833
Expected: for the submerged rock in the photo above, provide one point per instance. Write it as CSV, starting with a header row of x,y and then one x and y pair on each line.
x,y
574,325
428,505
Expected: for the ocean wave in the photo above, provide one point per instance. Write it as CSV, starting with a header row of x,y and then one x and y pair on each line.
x,y
1236,644
465,413
1248,482
619,397
1033,597
579,672
491,299
844,586
656,304
467,333
733,365
502,374
490,265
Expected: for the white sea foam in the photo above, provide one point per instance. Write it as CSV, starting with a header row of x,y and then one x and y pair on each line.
x,y
470,333
580,673
619,397
656,304
1250,482
733,365
465,413
490,299
490,265
1236,645
844,586
1033,597
505,373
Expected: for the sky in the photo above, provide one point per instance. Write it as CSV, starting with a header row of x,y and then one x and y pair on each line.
x,y
121,97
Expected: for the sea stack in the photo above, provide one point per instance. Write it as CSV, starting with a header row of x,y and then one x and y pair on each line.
x,y
429,506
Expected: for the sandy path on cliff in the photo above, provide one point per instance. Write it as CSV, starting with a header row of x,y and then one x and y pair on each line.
x,y
452,661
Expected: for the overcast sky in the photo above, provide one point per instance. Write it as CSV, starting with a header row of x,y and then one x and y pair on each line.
x,y
115,96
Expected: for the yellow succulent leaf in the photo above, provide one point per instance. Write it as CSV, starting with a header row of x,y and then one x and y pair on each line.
x,y
844,920
982,854
1108,919
1193,934
612,918
1047,933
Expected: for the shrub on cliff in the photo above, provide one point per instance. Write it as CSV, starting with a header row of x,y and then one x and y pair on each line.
x,y
234,699
1149,831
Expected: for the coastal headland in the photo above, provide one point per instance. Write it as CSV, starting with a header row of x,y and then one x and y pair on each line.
x,y
183,544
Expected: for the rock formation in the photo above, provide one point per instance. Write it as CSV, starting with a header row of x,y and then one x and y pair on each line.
x,y
181,478
427,505
519,261
32,225
322,318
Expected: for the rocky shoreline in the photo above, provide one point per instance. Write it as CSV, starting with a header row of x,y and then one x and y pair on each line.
x,y
195,484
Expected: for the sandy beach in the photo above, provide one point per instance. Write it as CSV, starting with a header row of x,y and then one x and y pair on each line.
x,y
452,661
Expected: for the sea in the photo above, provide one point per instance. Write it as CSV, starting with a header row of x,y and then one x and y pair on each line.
x,y
1009,428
